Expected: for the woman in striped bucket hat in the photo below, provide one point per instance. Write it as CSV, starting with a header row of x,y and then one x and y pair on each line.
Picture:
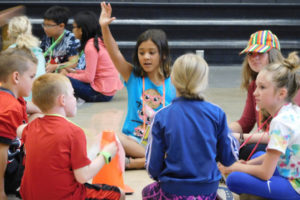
x,y
263,48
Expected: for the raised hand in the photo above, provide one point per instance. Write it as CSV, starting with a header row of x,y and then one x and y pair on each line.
x,y
105,16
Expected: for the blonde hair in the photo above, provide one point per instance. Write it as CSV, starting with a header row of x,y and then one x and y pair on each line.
x,y
15,59
284,74
20,32
47,88
249,75
190,76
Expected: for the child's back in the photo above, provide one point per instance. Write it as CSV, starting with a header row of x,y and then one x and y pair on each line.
x,y
51,143
195,133
56,164
188,138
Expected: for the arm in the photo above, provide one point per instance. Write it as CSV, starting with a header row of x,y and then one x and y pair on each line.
x,y
20,130
31,108
3,163
235,127
155,153
91,58
248,119
263,171
227,145
84,174
72,63
255,137
118,59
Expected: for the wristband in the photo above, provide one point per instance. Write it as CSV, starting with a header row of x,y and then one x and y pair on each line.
x,y
106,155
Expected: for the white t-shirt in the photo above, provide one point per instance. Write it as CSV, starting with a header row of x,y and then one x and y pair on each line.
x,y
285,137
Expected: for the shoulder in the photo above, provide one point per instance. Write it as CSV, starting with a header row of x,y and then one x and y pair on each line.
x,y
289,114
133,78
9,102
90,45
252,86
69,36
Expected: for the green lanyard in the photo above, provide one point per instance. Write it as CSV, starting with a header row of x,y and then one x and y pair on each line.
x,y
50,49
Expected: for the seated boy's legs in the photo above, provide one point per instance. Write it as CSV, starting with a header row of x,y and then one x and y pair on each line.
x,y
275,188
153,191
86,92
103,191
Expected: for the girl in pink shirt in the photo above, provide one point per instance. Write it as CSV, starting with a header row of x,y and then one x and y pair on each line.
x,y
99,80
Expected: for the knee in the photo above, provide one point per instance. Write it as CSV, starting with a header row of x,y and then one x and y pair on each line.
x,y
234,181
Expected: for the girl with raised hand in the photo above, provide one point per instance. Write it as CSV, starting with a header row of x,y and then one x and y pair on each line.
x,y
275,174
147,81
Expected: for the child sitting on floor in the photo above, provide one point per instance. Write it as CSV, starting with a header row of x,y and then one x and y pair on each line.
x,y
187,138
57,166
59,44
274,174
17,72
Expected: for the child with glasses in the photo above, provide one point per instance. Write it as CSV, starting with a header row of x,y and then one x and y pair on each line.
x,y
59,45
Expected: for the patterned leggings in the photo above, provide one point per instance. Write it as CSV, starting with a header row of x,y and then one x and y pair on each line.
x,y
154,192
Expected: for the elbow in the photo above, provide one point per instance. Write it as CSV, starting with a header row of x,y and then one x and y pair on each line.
x,y
81,179
266,177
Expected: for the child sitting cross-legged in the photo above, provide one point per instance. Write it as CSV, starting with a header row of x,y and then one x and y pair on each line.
x,y
187,138
56,164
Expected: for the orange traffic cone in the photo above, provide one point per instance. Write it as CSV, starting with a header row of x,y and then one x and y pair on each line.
x,y
112,173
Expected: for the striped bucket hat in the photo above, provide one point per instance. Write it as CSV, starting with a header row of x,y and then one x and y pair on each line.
x,y
261,42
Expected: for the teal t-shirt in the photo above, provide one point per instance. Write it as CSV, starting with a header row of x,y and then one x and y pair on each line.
x,y
153,95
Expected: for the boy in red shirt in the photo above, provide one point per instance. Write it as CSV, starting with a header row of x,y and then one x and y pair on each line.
x,y
17,72
57,166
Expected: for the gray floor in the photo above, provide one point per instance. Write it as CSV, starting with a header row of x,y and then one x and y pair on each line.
x,y
224,83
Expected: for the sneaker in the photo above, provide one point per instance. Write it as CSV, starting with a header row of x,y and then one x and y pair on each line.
x,y
223,193
80,101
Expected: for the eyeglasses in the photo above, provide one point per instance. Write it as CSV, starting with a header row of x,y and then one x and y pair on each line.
x,y
48,25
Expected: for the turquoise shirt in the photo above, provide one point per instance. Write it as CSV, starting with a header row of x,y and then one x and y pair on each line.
x,y
133,125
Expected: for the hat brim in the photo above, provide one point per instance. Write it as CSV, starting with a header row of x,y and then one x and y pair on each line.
x,y
256,48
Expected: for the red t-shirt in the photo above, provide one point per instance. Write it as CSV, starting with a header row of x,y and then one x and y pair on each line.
x,y
54,148
12,114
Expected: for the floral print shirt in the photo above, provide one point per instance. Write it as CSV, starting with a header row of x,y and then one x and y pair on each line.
x,y
285,138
